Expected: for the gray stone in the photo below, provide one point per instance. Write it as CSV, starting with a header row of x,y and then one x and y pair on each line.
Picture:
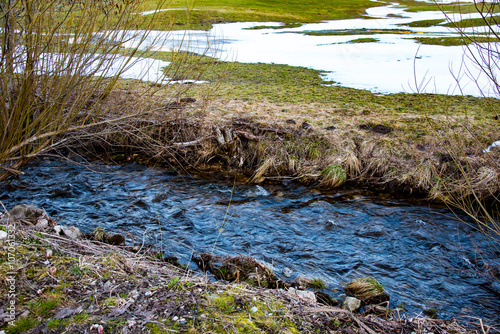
x,y
3,235
304,294
42,223
26,212
351,304
287,272
69,231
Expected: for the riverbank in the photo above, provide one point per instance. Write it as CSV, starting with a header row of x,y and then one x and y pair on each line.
x,y
409,143
77,285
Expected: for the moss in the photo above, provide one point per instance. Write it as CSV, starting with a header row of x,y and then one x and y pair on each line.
x,y
57,324
22,325
225,303
45,304
80,318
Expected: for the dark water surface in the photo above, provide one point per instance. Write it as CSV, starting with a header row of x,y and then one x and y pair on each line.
x,y
422,255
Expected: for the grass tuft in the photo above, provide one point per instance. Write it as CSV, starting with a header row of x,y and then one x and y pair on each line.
x,y
333,176
364,288
317,283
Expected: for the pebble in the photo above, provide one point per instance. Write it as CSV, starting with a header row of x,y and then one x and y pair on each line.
x,y
175,318
287,272
254,309
3,235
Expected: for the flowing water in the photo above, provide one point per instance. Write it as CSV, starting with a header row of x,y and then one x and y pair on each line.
x,y
422,255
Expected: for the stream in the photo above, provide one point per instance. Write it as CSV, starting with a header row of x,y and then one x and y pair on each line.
x,y
420,252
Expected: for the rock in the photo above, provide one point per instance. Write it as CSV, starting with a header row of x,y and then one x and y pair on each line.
x,y
26,212
304,294
301,282
69,231
65,312
3,235
290,121
377,310
431,313
116,239
42,223
101,235
287,272
351,304
253,309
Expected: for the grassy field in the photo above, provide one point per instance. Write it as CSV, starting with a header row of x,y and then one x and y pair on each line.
x,y
208,11
202,14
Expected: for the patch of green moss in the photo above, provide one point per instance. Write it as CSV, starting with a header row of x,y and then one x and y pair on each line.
x,y
80,318
45,304
57,324
22,325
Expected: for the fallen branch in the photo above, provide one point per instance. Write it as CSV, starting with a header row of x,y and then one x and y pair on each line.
x,y
247,135
192,143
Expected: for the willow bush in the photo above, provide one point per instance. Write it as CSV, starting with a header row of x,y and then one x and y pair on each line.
x,y
475,189
60,61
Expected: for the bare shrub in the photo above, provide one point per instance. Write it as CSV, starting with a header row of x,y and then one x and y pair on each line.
x,y
59,71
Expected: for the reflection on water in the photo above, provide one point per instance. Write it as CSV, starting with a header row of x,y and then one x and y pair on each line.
x,y
423,256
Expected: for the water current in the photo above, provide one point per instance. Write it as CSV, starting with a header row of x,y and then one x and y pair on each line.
x,y
422,255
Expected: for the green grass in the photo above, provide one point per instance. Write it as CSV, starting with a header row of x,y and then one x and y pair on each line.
x,y
281,26
287,84
272,10
333,176
453,41
317,283
477,22
364,40
343,32
423,23
292,12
